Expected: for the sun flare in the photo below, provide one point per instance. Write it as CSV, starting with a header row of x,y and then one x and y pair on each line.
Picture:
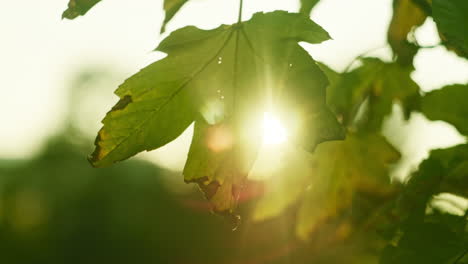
x,y
274,133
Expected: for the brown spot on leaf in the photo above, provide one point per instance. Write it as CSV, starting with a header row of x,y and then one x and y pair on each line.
x,y
94,157
122,103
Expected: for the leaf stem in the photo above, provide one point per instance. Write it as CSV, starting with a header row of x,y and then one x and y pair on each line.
x,y
236,52
361,56
431,46
239,17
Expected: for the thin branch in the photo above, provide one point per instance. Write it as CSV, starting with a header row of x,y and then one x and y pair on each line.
x,y
362,56
430,47
236,68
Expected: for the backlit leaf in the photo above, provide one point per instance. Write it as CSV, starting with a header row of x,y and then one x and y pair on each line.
x,y
392,85
220,159
340,169
350,90
285,185
224,79
382,83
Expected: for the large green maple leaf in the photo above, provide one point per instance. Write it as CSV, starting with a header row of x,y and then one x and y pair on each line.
x,y
223,79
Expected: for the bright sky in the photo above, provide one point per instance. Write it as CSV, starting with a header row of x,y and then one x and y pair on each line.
x,y
40,52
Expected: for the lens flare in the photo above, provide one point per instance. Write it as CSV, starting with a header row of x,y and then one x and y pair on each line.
x,y
274,133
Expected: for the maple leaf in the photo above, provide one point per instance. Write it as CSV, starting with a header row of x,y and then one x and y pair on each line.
x,y
222,78
328,179
380,82
339,170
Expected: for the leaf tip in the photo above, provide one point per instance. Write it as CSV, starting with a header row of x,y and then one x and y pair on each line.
x,y
69,14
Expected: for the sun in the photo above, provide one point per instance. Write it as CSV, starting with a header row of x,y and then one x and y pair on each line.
x,y
274,133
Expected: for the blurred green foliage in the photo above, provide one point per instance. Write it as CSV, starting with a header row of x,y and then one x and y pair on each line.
x,y
57,209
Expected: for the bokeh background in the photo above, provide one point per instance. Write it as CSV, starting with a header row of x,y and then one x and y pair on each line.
x,y
57,78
